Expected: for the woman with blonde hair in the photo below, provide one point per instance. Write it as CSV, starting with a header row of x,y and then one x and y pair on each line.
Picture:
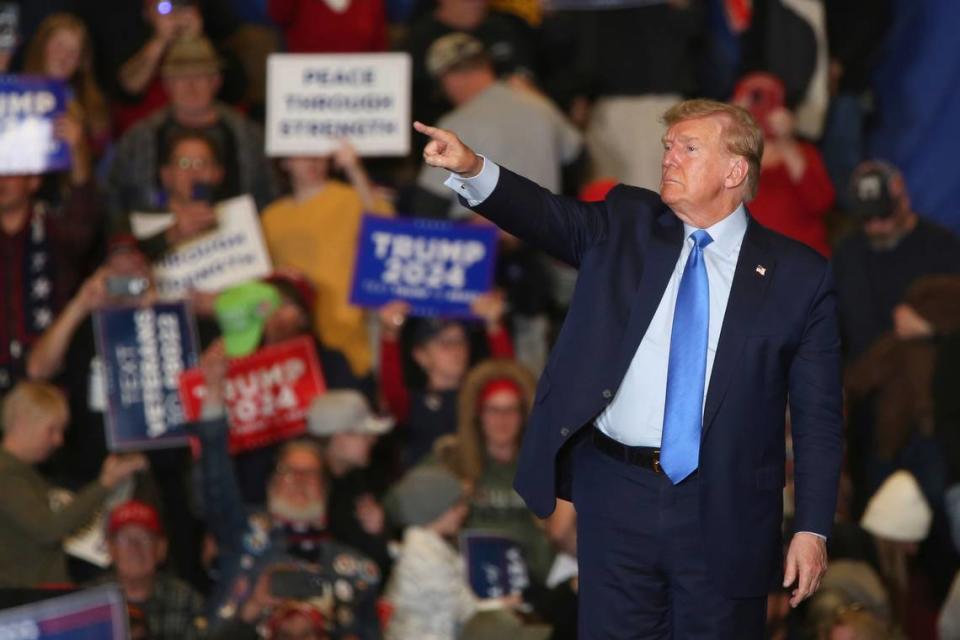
x,y
61,48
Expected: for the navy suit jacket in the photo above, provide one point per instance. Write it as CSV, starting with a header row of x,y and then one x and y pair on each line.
x,y
779,339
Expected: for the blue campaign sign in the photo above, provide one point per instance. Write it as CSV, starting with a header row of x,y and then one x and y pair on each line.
x,y
438,267
495,564
144,350
29,107
94,614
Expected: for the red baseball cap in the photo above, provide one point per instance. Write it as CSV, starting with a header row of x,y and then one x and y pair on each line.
x,y
134,512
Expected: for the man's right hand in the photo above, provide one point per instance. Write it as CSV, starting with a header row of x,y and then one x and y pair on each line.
x,y
118,467
191,220
446,151
93,293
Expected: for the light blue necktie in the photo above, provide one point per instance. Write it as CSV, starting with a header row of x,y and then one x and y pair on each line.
x,y
683,410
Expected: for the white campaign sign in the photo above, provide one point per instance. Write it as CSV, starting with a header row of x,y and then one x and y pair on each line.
x,y
313,101
232,253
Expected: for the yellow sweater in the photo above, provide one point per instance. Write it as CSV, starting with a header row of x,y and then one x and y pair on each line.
x,y
319,238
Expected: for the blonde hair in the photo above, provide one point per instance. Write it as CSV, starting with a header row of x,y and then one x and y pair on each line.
x,y
32,401
89,97
741,133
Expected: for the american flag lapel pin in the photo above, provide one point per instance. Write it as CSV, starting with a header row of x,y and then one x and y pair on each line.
x,y
762,270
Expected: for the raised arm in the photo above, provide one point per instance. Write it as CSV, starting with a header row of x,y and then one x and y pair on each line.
x,y
563,227
223,506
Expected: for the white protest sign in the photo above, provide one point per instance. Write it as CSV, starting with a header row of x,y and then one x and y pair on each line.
x,y
90,542
232,253
313,101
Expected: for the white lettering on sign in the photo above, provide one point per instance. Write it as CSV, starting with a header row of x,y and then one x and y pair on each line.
x,y
263,393
357,76
434,263
316,101
151,380
32,103
254,383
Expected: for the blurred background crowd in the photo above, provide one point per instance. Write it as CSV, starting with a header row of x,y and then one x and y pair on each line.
x,y
417,439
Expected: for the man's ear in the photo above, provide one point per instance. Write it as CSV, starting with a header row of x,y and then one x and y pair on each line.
x,y
162,548
736,172
166,174
217,173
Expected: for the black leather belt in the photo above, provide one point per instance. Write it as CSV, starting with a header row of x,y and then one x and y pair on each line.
x,y
647,457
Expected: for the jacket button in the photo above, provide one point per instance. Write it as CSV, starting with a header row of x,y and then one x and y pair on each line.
x,y
607,394
564,432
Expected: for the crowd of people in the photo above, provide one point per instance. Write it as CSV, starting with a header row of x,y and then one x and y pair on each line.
x,y
351,530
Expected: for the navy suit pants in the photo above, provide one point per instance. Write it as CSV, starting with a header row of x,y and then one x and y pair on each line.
x,y
643,568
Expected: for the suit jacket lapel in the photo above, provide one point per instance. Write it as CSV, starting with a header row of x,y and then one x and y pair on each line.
x,y
754,271
663,250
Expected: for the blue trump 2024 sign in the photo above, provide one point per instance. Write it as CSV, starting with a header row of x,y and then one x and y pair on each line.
x,y
495,564
29,107
144,350
438,267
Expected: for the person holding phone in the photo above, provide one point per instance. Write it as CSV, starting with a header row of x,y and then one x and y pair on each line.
x,y
285,550
191,175
66,354
192,73
795,193
138,80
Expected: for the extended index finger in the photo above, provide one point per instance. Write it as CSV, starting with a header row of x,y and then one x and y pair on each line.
x,y
434,132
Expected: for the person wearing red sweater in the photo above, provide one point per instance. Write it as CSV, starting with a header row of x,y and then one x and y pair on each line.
x,y
442,351
331,26
795,190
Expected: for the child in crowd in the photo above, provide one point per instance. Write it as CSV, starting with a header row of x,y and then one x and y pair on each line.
x,y
428,590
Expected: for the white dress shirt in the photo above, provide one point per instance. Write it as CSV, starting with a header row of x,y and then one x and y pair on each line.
x,y
635,416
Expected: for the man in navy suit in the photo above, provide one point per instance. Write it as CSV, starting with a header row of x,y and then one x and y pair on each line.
x,y
661,411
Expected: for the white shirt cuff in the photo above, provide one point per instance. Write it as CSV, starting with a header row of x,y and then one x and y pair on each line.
x,y
819,535
478,188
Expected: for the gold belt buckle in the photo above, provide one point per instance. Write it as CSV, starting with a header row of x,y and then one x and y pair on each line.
x,y
656,462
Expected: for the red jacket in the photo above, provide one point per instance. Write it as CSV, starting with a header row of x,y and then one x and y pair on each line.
x,y
312,26
796,209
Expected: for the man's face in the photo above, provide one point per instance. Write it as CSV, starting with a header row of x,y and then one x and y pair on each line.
x,y
695,165
297,490
62,54
17,191
352,448
192,92
45,437
885,232
286,322
446,354
191,162
136,552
